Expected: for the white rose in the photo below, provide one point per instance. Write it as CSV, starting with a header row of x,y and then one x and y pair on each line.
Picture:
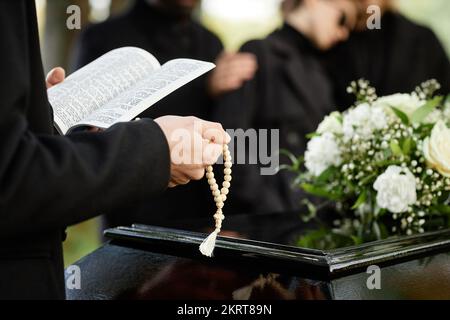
x,y
322,152
363,120
331,123
406,103
436,149
396,189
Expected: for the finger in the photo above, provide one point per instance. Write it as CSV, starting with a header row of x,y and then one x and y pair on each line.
x,y
230,85
214,132
190,172
197,174
55,76
172,185
243,62
211,153
242,56
237,71
235,64
246,55
224,56
239,76
94,129
180,180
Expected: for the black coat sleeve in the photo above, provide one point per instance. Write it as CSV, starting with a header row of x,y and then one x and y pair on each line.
x,y
49,182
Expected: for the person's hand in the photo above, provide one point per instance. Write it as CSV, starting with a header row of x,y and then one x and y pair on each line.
x,y
232,70
194,144
55,76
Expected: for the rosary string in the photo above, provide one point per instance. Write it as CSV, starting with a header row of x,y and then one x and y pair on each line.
x,y
220,196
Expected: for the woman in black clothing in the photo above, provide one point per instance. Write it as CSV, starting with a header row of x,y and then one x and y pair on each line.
x,y
289,92
395,58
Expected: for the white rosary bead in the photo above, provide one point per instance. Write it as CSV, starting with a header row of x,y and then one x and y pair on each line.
x,y
220,196
219,216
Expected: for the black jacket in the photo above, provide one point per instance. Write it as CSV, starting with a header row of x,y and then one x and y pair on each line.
x,y
290,92
166,37
395,59
48,182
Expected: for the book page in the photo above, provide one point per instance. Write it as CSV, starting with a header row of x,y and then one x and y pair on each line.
x,y
97,83
171,76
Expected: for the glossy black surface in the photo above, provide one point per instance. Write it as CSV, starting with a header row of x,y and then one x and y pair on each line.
x,y
144,262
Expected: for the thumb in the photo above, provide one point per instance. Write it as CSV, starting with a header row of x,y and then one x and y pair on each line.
x,y
55,76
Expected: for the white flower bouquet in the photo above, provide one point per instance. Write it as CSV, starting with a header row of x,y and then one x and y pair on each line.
x,y
384,164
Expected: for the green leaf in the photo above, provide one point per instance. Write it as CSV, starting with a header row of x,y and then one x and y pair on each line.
x,y
356,240
369,178
395,148
361,200
312,135
384,230
324,176
408,146
447,100
401,115
312,210
320,191
421,113
286,167
310,239
376,230
296,162
441,209
289,154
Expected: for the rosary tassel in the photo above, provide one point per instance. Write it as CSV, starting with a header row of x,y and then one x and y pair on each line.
x,y
207,246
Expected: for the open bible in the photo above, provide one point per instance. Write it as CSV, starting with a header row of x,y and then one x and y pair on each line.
x,y
117,87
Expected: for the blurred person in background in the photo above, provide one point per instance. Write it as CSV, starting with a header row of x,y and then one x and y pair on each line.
x,y
395,58
165,28
290,92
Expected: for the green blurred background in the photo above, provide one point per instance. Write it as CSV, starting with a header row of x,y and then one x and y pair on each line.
x,y
234,21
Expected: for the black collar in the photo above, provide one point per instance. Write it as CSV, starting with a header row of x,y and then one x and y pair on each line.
x,y
297,39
